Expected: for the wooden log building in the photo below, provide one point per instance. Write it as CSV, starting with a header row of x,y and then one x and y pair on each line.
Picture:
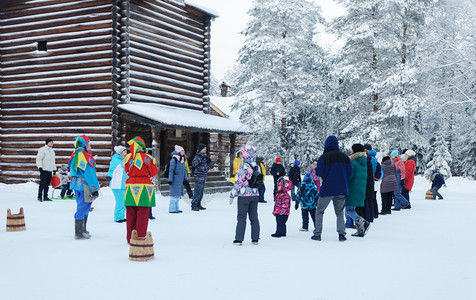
x,y
108,69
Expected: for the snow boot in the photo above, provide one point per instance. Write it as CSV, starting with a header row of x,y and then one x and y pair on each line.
x,y
316,237
85,231
79,230
360,228
342,238
349,223
366,226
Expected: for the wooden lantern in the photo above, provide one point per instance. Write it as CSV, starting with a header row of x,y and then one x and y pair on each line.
x,y
15,222
141,248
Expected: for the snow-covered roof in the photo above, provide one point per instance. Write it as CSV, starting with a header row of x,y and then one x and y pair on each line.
x,y
182,117
224,104
203,9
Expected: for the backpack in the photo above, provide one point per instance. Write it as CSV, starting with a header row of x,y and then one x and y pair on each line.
x,y
167,167
256,180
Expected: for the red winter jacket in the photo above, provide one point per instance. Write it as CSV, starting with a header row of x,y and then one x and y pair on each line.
x,y
409,173
282,200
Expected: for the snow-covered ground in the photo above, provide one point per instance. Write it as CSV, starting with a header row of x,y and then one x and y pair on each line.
x,y
426,252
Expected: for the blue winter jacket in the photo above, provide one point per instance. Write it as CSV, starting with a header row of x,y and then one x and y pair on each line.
x,y
378,173
334,168
307,193
177,175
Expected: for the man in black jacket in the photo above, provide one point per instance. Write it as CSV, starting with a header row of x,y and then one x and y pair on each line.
x,y
200,164
277,170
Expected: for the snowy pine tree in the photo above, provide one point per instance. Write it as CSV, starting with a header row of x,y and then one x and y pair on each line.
x,y
441,158
448,63
282,81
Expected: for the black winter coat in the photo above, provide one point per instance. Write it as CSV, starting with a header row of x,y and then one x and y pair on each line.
x,y
367,212
295,176
277,168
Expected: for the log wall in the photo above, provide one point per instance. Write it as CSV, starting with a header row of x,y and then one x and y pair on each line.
x,y
165,51
99,54
59,93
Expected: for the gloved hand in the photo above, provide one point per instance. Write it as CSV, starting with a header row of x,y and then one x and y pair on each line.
x,y
54,172
444,185
41,169
170,182
402,182
108,178
190,195
296,206
231,200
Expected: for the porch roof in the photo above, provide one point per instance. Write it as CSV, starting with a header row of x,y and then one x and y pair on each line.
x,y
186,118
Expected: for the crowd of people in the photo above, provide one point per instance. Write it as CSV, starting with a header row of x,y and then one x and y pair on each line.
x,y
348,181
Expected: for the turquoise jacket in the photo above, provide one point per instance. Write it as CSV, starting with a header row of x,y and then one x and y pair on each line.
x,y
358,180
117,160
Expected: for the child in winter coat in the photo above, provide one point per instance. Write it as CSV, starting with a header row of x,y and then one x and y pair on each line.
x,y
315,178
307,197
282,201
63,173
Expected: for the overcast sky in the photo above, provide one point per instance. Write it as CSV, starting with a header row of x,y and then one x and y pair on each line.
x,y
226,37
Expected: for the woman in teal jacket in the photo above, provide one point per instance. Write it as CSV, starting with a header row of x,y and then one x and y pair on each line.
x,y
117,181
357,186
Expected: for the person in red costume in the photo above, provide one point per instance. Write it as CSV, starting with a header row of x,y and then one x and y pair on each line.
x,y
140,192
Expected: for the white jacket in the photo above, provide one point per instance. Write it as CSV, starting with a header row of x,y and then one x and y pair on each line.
x,y
45,159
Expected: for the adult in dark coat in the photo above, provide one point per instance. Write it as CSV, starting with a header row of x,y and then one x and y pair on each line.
x,y
367,212
389,184
295,177
377,174
201,163
335,169
437,182
277,170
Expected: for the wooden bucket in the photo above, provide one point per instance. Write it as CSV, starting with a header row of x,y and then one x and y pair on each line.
x,y
141,249
429,195
15,222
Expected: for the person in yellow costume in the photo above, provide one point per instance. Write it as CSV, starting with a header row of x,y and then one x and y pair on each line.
x,y
237,161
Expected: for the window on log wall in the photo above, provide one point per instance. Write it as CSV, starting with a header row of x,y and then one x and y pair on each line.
x,y
42,46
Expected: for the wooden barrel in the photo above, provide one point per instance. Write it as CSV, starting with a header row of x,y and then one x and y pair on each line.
x,y
141,249
429,195
15,222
